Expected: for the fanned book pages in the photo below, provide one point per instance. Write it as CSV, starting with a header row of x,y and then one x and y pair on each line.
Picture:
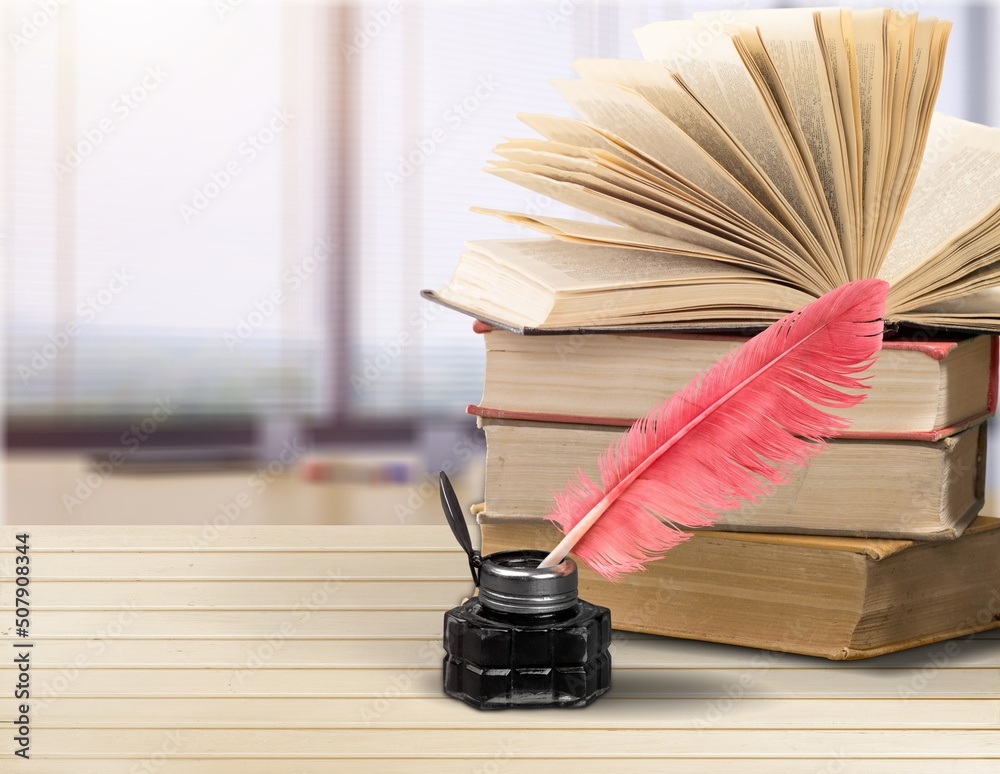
x,y
752,162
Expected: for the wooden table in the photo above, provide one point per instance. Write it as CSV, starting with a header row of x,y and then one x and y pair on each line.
x,y
265,650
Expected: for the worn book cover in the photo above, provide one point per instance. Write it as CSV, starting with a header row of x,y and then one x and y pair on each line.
x,y
834,597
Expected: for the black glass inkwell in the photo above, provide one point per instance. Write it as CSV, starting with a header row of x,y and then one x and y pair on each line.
x,y
527,640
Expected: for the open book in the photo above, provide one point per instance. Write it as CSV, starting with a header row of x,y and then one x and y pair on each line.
x,y
754,161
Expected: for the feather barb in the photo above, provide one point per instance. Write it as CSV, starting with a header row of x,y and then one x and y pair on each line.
x,y
729,437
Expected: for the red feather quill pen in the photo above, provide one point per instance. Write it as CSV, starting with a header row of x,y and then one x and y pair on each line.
x,y
729,437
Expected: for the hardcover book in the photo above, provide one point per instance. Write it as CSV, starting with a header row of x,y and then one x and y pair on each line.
x,y
833,597
873,488
918,389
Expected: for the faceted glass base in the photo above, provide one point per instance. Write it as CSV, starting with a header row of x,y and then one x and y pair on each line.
x,y
496,661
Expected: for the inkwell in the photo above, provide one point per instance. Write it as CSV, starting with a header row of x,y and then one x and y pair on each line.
x,y
527,639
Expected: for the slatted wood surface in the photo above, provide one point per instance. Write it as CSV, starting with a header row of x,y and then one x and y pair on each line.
x,y
265,650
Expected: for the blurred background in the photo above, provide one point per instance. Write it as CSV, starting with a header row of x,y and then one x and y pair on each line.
x,y
217,218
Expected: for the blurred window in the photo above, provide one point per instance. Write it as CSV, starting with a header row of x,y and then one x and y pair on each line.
x,y
167,216
235,203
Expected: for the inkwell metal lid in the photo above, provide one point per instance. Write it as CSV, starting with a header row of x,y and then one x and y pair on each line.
x,y
511,582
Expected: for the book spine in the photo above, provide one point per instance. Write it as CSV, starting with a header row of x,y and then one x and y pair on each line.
x,y
991,401
780,605
665,600
935,506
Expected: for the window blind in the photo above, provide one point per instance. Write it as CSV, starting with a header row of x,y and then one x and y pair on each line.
x,y
166,162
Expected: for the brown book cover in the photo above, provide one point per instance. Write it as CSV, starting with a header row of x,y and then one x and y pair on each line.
x,y
834,597
910,490
505,395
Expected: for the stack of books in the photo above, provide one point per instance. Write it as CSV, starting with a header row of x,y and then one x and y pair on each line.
x,y
754,162
867,550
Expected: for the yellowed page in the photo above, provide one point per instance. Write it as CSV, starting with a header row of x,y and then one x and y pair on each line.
x,y
608,184
632,211
834,29
605,178
956,191
789,42
545,283
965,286
900,29
611,149
927,63
631,117
571,269
654,82
868,49
619,236
572,131
632,215
717,76
606,144
979,310
688,202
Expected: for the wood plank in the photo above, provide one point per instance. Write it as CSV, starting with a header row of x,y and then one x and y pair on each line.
x,y
423,679
333,592
209,652
450,564
208,622
617,744
500,761
443,712
231,538
629,650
